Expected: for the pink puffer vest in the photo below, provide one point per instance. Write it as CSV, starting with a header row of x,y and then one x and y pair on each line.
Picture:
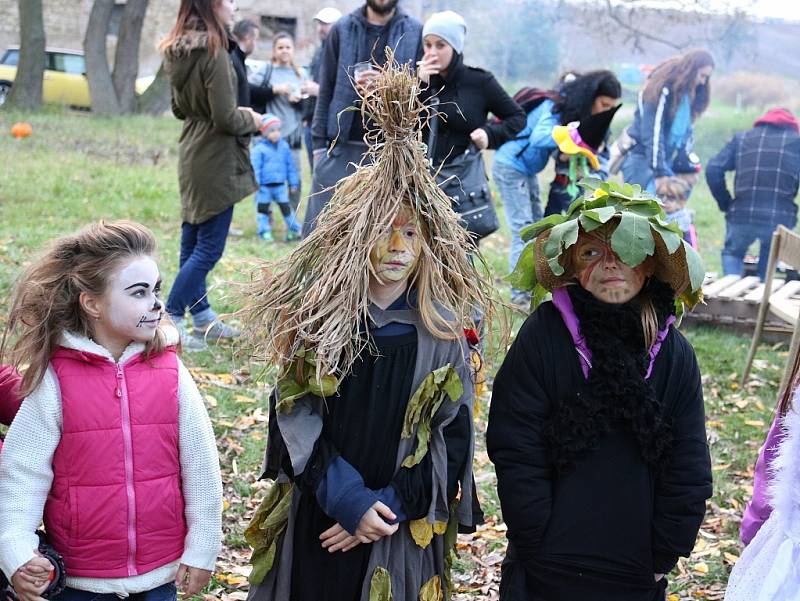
x,y
115,508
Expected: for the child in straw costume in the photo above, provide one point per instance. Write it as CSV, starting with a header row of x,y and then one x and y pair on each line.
x,y
370,434
596,426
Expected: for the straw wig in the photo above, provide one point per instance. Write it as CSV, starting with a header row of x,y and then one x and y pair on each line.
x,y
315,300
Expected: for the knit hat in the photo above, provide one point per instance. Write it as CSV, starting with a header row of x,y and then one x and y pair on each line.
x,y
639,230
448,25
328,15
268,123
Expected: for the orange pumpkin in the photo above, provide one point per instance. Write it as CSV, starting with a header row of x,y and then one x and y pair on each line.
x,y
21,130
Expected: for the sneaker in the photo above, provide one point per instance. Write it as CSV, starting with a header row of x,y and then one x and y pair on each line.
x,y
189,343
235,231
266,236
216,331
292,236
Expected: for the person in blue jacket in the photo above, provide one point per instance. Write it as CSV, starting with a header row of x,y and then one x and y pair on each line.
x,y
517,162
676,93
274,167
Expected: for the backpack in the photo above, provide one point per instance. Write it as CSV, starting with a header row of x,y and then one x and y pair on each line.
x,y
529,98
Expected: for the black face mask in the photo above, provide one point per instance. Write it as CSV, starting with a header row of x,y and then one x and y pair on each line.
x,y
382,9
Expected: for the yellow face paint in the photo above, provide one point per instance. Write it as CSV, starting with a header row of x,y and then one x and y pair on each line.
x,y
396,252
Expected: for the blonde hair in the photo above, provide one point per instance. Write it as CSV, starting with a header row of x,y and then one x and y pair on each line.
x,y
46,299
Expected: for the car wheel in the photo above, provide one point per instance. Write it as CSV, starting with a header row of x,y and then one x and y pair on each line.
x,y
5,88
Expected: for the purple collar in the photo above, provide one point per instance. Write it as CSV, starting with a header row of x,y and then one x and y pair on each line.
x,y
563,303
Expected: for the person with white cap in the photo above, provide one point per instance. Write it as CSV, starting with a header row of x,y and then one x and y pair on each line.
x,y
323,20
466,97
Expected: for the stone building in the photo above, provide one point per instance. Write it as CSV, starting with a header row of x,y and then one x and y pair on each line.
x,y
65,24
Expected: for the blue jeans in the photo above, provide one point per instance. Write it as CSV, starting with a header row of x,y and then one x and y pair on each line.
x,y
636,170
267,195
520,195
738,238
202,246
165,592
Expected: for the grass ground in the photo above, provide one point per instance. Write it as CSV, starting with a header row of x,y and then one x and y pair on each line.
x,y
77,168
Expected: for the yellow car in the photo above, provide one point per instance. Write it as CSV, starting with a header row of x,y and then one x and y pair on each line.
x,y
64,79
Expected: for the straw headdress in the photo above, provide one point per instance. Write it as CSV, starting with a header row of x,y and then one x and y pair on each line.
x,y
313,304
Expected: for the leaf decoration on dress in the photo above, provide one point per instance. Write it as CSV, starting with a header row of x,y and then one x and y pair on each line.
x,y
424,404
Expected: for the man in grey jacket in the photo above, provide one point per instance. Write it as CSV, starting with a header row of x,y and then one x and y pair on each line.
x,y
354,46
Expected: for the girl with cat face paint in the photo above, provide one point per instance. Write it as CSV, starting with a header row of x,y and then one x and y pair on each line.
x,y
112,447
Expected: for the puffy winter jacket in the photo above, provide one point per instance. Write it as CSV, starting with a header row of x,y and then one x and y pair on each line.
x,y
530,150
273,163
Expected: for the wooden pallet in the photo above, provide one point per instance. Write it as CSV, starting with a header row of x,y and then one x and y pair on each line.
x,y
733,301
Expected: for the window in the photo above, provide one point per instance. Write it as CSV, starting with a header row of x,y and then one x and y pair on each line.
x,y
10,58
270,25
67,63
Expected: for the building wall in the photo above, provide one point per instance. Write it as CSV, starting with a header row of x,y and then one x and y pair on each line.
x,y
65,24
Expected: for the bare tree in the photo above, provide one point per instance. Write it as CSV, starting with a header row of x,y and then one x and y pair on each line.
x,y
126,56
626,18
26,93
156,97
113,94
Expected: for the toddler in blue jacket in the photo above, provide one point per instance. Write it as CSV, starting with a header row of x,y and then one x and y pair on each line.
x,y
274,168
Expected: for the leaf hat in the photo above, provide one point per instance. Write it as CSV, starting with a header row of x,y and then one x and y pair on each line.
x,y
640,230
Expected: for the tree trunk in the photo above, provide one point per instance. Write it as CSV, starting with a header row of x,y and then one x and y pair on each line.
x,y
101,86
156,98
126,56
26,92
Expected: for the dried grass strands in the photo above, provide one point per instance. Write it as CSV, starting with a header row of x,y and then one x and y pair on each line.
x,y
317,297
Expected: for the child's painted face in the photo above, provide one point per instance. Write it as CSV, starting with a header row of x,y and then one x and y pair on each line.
x,y
130,308
600,271
397,251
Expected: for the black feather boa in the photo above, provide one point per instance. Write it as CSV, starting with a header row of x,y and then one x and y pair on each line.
x,y
616,394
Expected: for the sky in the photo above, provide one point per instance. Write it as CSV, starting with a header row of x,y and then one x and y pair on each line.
x,y
782,9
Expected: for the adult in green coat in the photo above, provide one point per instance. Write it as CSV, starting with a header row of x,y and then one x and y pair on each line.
x,y
214,168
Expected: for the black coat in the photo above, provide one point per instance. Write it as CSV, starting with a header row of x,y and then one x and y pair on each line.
x,y
242,87
466,97
602,530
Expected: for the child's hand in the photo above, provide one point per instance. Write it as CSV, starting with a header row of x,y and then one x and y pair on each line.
x,y
191,580
337,538
373,526
32,579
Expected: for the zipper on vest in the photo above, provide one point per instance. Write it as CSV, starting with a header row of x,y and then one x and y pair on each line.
x,y
122,394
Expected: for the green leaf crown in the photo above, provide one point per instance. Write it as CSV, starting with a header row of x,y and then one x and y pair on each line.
x,y
640,217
